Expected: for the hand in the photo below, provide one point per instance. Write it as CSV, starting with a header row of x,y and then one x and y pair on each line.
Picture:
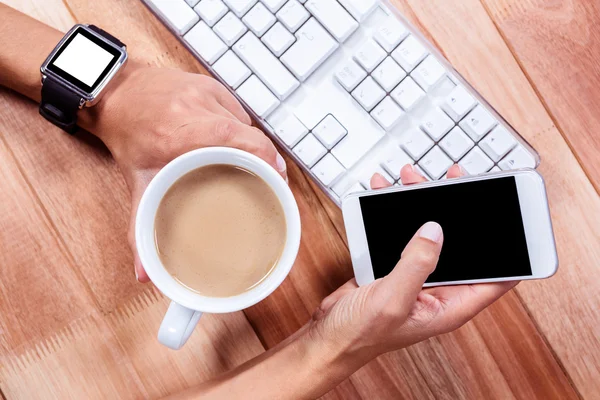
x,y
395,312
154,115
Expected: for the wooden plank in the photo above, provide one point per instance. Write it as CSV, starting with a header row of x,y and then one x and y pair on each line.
x,y
505,87
219,344
52,12
43,300
84,195
324,263
557,45
82,361
33,264
565,308
92,227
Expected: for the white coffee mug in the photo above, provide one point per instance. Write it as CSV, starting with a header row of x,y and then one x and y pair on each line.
x,y
186,305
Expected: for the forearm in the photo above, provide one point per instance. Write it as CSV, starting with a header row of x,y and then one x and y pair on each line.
x,y
24,45
302,367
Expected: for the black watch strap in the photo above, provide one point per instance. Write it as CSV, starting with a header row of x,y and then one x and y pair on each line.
x,y
60,105
107,35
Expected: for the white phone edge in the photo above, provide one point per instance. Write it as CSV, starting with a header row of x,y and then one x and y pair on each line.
x,y
537,224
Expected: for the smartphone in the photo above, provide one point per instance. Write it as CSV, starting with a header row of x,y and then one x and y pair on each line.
x,y
496,227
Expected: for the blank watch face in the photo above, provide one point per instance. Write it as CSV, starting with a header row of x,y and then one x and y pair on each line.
x,y
84,60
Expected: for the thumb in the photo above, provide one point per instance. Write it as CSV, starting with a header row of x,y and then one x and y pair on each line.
x,y
418,261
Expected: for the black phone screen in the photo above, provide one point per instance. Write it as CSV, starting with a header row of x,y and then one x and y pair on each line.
x,y
483,229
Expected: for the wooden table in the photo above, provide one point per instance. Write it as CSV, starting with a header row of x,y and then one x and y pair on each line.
x,y
74,323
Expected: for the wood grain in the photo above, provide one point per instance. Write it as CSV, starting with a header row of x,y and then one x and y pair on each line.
x,y
66,199
558,45
565,308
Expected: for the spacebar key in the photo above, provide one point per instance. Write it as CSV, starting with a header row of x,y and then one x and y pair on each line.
x,y
313,47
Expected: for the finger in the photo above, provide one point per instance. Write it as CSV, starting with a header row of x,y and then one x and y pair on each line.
x,y
379,182
230,103
418,261
456,171
409,175
462,303
252,140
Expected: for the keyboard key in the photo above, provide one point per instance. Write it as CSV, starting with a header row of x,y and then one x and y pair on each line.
x,y
395,160
518,158
293,15
265,65
387,114
278,39
329,131
333,17
390,34
230,28
350,75
355,145
435,163
388,74
367,174
240,7
497,143
422,172
370,55
495,169
476,162
360,9
313,46
192,3
211,11
343,190
328,170
257,96
410,53
436,123
290,130
177,12
205,42
273,5
310,150
259,19
407,93
416,143
368,93
456,144
478,122
428,73
231,69
458,103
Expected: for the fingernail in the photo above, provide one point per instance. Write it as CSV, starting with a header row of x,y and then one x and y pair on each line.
x,y
431,231
410,167
136,274
281,167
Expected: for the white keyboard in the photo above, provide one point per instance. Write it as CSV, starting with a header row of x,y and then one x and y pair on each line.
x,y
347,87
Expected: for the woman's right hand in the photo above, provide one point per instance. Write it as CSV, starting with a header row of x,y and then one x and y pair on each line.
x,y
395,311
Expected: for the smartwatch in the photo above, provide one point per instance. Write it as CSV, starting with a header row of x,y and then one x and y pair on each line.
x,y
77,72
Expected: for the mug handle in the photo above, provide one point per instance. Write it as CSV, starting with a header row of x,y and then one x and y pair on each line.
x,y
177,325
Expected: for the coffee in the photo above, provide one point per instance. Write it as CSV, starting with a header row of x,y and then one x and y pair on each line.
x,y
220,230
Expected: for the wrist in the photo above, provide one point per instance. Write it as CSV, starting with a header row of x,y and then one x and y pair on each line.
x,y
98,119
334,355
